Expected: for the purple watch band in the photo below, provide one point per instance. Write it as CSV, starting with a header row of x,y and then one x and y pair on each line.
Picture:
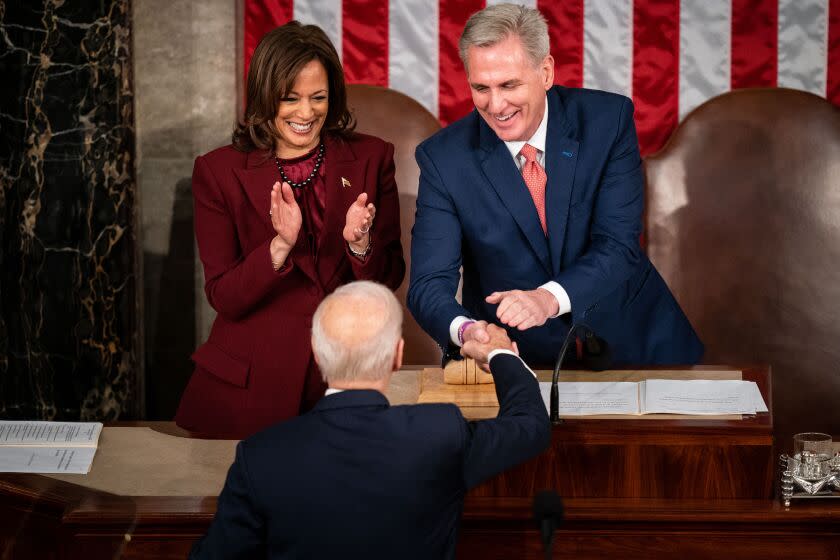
x,y
461,330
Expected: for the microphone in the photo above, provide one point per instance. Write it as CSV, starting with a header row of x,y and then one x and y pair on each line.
x,y
548,512
595,356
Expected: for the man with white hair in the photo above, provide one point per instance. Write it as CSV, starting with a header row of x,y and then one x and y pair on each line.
x,y
358,478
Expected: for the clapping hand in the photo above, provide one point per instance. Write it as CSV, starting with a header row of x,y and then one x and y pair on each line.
x,y
285,214
357,225
286,220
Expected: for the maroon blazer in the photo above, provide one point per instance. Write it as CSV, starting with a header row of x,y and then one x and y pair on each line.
x,y
256,367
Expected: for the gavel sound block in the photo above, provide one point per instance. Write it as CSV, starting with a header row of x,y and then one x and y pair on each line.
x,y
465,372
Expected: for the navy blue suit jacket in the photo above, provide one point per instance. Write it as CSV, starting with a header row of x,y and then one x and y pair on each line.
x,y
474,209
357,478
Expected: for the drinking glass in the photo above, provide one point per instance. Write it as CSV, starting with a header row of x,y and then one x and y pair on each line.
x,y
812,455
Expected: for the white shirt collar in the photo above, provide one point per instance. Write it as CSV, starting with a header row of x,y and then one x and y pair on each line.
x,y
331,391
537,140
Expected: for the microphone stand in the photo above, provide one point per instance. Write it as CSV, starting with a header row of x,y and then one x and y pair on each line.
x,y
554,398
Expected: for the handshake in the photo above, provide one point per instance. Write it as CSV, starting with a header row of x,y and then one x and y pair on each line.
x,y
482,338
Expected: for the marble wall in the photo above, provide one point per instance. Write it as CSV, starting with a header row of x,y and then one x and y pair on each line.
x,y
186,57
70,343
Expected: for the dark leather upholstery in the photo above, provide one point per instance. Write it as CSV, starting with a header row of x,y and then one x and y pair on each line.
x,y
401,120
743,222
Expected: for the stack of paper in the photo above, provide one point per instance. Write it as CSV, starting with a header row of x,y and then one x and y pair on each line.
x,y
48,447
655,396
698,396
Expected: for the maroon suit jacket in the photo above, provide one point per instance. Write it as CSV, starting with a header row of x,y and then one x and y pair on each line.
x,y
256,367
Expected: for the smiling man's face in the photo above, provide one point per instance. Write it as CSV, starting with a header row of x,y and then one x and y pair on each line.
x,y
508,89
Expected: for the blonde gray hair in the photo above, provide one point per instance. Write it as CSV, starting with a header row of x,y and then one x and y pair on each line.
x,y
371,358
495,23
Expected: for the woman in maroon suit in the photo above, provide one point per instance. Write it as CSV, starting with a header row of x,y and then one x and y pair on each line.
x,y
298,205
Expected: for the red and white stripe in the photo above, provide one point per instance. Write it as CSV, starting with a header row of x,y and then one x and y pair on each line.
x,y
668,55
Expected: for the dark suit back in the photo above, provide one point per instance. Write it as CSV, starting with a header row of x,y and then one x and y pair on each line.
x,y
357,478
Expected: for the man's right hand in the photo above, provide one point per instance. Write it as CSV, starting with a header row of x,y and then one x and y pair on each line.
x,y
495,338
476,331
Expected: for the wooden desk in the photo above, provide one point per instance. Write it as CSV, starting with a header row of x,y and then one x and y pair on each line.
x,y
631,529
45,518
650,457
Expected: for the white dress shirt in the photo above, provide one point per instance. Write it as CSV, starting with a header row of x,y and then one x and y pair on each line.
x,y
555,289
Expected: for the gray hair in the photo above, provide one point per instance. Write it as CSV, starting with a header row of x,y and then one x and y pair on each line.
x,y
495,23
362,346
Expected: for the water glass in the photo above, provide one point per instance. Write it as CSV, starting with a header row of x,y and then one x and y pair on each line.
x,y
812,454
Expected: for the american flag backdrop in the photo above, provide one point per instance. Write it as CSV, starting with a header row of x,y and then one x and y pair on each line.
x,y
669,56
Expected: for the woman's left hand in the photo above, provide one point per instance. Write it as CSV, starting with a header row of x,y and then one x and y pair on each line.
x,y
358,223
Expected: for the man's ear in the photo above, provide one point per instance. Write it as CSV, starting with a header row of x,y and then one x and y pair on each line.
x,y
547,68
315,357
398,355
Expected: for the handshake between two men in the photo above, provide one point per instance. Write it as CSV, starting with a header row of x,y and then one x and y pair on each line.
x,y
520,309
409,466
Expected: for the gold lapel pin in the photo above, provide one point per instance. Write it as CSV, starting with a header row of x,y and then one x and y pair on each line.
x,y
345,182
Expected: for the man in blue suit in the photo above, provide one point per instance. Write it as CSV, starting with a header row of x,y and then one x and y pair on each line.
x,y
357,478
538,194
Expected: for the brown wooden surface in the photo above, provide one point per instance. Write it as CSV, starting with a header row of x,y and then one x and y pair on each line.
x,y
496,528
639,458
45,518
53,519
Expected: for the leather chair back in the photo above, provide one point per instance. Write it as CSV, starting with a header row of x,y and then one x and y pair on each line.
x,y
743,222
401,120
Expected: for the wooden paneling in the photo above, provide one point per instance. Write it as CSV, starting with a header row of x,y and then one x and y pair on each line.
x,y
494,528
668,458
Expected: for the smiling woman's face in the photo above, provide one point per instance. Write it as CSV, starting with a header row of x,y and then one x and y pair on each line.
x,y
301,114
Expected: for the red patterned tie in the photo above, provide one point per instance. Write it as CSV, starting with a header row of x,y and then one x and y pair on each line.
x,y
534,176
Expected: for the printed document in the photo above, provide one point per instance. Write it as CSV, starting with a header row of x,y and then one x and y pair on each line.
x,y
582,398
48,447
698,396
657,396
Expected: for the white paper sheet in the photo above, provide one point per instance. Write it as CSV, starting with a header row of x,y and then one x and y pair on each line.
x,y
584,398
665,396
698,396
49,433
758,400
33,459
48,447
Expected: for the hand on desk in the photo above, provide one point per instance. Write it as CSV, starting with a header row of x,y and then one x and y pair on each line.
x,y
496,339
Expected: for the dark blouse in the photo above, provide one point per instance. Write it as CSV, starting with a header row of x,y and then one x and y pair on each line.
x,y
311,198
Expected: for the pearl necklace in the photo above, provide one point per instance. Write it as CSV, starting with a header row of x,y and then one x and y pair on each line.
x,y
319,158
